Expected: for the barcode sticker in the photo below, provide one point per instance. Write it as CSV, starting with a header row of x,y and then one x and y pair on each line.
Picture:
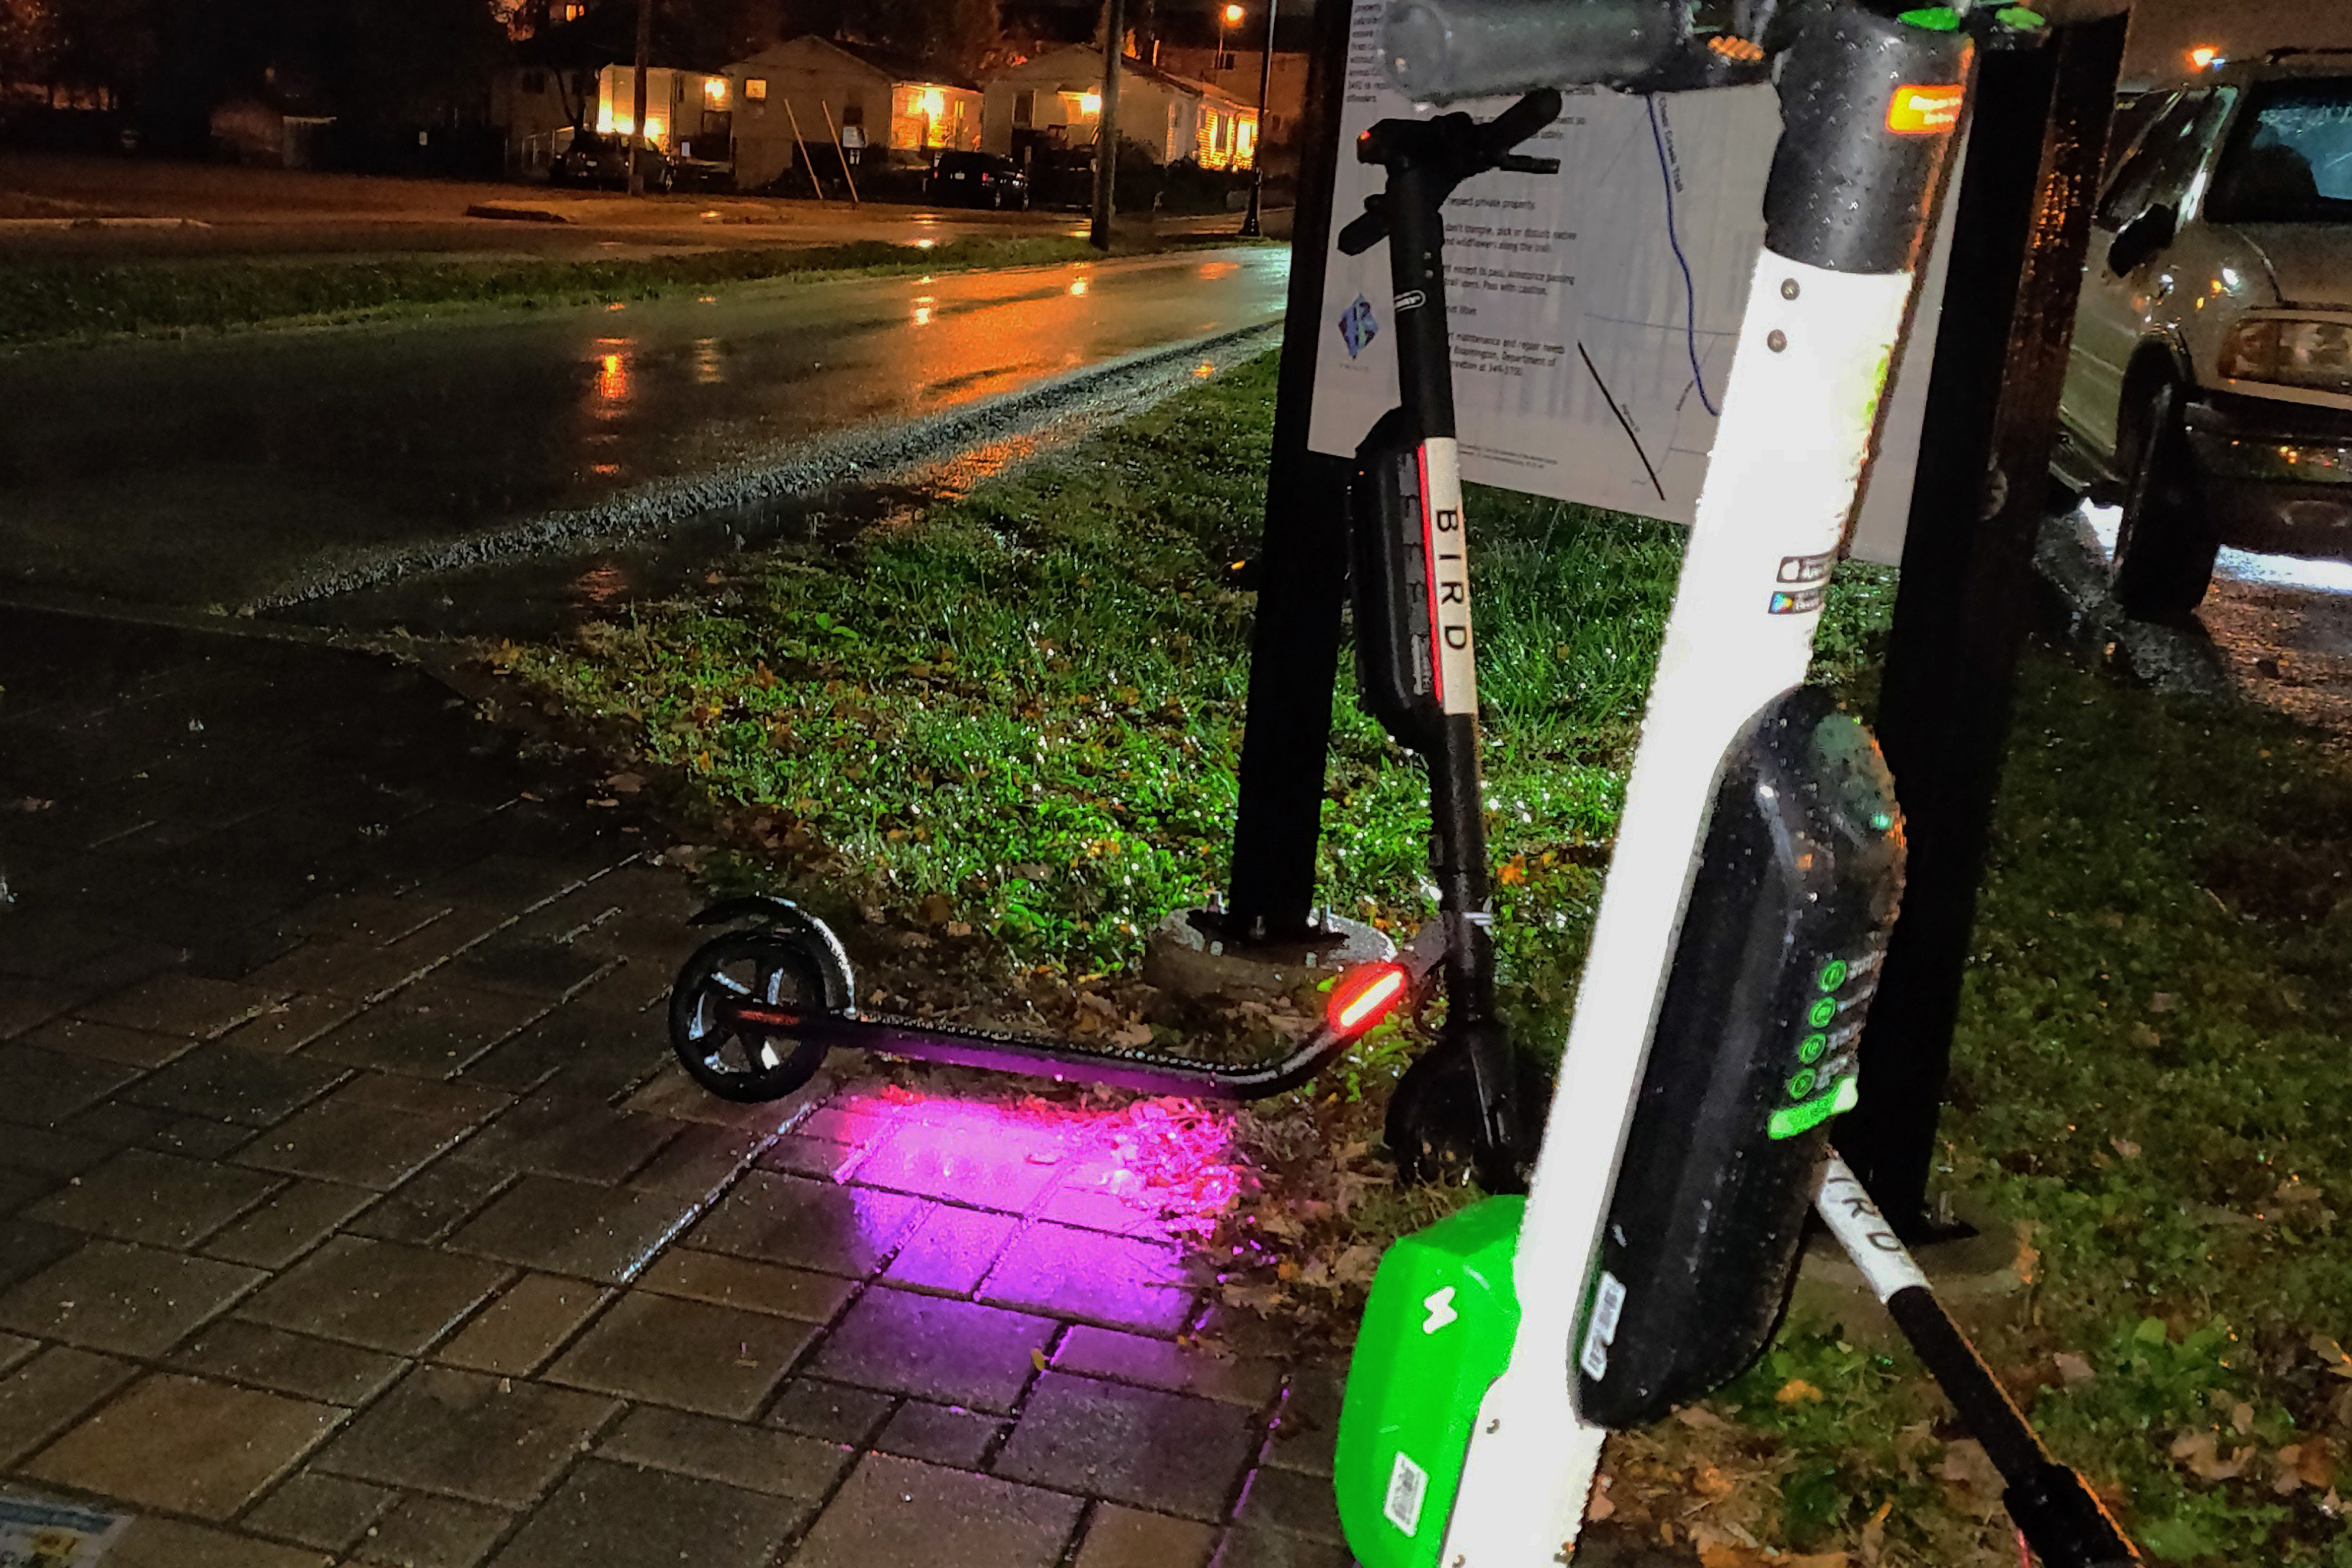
x,y
1408,1485
1608,1306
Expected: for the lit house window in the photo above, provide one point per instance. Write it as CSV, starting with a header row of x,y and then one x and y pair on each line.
x,y
714,90
756,89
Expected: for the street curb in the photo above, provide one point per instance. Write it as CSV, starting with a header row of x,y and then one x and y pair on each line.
x,y
866,458
515,215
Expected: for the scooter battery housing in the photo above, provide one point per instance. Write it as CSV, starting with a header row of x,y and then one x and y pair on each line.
x,y
1437,1329
1753,1053
1392,585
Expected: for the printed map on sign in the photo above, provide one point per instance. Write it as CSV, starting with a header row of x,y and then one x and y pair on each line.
x,y
1593,312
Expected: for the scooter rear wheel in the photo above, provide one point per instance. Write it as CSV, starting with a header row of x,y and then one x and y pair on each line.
x,y
736,1060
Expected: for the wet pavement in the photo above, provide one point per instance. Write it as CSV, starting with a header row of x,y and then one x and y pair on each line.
x,y
259,471
350,1211
2273,629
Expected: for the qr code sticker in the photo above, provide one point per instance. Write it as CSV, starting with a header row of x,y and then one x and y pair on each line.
x,y
1408,1485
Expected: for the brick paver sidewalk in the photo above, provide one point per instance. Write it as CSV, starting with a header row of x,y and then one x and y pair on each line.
x,y
349,1211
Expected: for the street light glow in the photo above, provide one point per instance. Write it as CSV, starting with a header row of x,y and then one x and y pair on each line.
x,y
1233,15
2204,57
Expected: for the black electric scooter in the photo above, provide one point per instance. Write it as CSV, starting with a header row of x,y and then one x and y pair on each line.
x,y
755,1009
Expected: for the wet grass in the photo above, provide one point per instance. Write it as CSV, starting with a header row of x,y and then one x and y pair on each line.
x,y
1020,714
48,302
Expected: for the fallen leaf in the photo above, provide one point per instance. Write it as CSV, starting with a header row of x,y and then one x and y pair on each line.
x,y
2163,1001
1967,1464
2200,1452
626,783
1797,1391
1038,1358
1711,1482
2316,1463
2125,1147
1874,1535
2338,1364
1700,1420
2142,1035
2072,1369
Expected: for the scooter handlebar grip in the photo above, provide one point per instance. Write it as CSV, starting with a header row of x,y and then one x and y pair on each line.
x,y
1367,230
1521,120
1440,50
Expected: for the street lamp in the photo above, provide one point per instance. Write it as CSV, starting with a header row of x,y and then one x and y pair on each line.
x,y
1250,229
1230,17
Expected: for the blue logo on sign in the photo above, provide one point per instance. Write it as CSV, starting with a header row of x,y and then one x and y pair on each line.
x,y
1357,326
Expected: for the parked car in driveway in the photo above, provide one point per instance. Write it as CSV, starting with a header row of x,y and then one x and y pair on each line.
x,y
2209,390
596,158
977,180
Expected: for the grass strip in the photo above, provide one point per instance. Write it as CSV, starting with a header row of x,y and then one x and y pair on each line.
x,y
1020,714
43,301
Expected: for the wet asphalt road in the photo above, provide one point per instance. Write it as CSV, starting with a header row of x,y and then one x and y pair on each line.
x,y
219,474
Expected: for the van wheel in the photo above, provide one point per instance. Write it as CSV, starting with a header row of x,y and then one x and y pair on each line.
x,y
2164,547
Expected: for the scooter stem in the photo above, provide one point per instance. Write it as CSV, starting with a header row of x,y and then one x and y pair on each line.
x,y
1800,409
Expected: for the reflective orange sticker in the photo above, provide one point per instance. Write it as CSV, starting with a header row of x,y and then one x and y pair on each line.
x,y
1924,109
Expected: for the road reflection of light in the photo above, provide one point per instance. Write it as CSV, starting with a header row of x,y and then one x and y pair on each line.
x,y
1079,286
604,470
612,384
602,584
922,315
2311,576
1204,370
706,298
958,479
925,244
616,305
1215,269
708,368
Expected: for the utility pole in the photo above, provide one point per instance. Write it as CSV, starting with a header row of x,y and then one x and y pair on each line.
x,y
1250,229
637,141
1107,121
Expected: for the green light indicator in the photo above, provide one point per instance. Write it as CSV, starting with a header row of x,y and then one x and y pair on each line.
x,y
1798,1119
1810,1048
1881,821
1802,1084
1849,1094
1834,974
1934,19
1822,1011
2019,18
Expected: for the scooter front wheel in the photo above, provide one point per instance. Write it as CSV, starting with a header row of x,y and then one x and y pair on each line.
x,y
730,1014
1443,1130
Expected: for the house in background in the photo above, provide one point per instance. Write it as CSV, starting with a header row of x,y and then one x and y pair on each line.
x,y
274,126
1236,73
1056,101
583,72
884,107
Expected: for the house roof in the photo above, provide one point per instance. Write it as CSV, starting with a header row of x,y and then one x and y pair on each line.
x,y
891,65
1128,66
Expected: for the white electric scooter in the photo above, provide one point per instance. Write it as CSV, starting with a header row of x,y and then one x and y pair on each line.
x,y
1756,876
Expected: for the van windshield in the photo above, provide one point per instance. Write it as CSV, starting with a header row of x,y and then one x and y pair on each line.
x,y
2290,156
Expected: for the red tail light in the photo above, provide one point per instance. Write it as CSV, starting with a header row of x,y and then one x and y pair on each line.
x,y
1364,995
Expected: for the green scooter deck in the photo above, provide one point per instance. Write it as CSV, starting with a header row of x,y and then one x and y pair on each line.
x,y
1436,1332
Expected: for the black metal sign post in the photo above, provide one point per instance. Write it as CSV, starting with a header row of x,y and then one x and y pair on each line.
x,y
2038,134
1302,565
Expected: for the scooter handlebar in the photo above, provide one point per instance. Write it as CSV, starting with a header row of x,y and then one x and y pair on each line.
x,y
1516,123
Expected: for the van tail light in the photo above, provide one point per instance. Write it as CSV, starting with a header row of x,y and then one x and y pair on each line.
x,y
1364,995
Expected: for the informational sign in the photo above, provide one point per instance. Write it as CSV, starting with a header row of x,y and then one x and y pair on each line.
x,y
37,1533
1593,312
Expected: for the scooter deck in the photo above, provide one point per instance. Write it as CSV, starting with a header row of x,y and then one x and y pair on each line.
x,y
1139,1068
